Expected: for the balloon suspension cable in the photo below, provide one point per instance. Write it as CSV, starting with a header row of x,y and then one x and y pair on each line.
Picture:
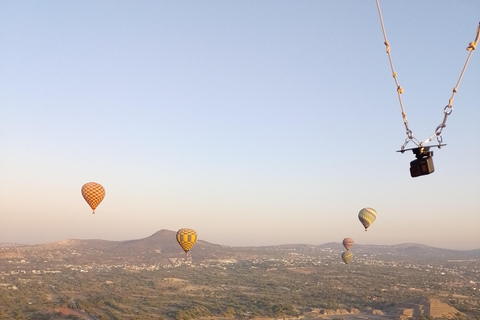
x,y
93,211
449,108
446,111
400,90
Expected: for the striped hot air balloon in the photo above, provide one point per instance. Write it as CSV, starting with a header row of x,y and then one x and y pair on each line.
x,y
347,257
347,243
367,216
93,193
186,238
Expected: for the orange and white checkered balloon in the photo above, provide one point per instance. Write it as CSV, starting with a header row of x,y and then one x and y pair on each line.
x,y
93,193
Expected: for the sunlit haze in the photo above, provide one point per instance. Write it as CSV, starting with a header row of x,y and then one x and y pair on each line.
x,y
252,122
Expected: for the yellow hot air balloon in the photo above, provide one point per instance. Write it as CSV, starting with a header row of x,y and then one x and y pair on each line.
x,y
93,193
186,238
347,257
367,216
347,243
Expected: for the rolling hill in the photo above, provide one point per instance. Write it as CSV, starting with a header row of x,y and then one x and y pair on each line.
x,y
162,245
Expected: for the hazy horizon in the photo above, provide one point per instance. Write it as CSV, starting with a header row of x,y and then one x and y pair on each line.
x,y
222,244
254,122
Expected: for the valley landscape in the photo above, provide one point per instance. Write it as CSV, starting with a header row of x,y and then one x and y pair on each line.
x,y
152,278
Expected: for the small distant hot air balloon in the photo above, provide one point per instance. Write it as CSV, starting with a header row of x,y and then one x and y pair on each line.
x,y
347,243
367,216
347,257
186,238
93,193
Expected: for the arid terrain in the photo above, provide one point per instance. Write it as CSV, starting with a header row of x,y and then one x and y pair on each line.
x,y
152,278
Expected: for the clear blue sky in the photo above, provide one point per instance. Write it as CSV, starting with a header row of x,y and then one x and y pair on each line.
x,y
252,122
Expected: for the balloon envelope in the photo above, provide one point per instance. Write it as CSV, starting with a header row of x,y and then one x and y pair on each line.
x,y
186,238
367,216
347,243
93,193
347,257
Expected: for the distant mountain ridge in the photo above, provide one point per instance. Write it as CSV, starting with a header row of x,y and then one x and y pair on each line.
x,y
162,245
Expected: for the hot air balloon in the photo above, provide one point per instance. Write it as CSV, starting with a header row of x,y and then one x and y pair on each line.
x,y
367,216
347,243
186,238
93,193
347,257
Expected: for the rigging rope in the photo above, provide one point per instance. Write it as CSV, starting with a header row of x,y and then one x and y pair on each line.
x,y
446,111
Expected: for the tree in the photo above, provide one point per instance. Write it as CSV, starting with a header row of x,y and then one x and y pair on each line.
x,y
230,312
182,315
